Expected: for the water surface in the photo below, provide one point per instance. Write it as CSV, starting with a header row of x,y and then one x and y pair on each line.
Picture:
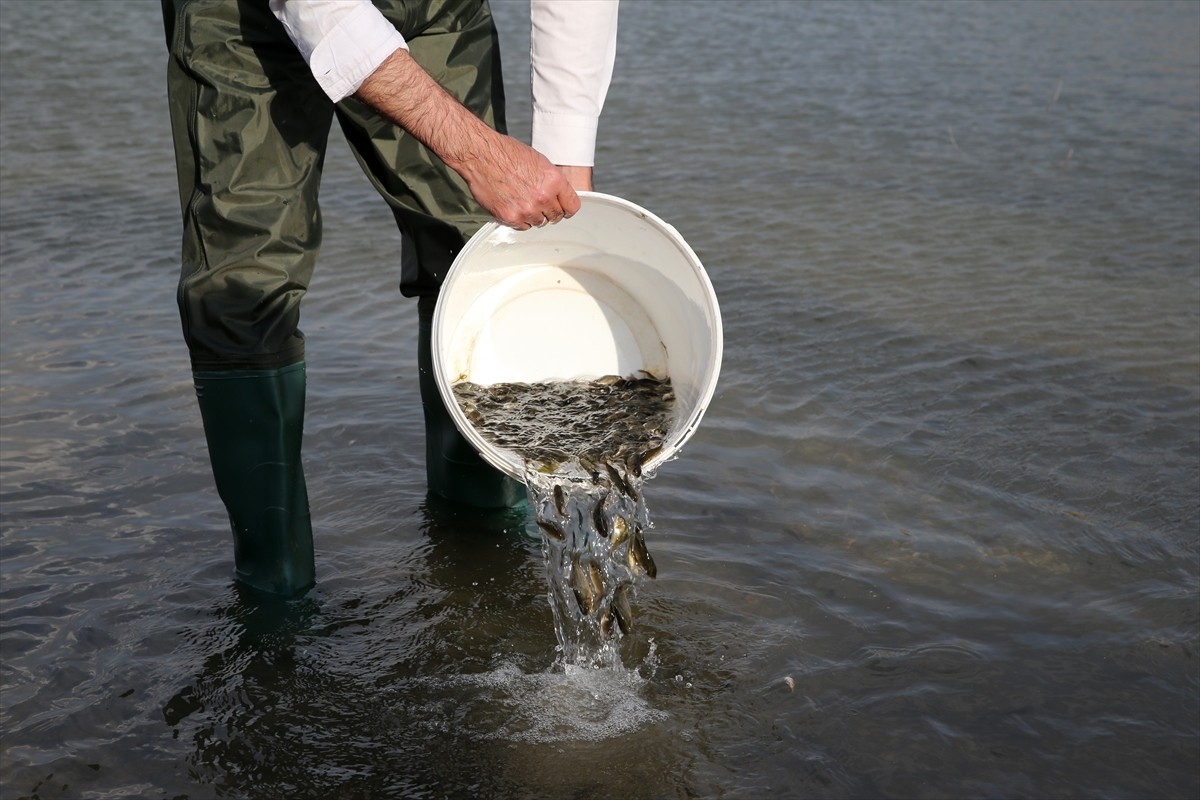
x,y
948,484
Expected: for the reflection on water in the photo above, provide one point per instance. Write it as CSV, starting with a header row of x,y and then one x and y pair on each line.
x,y
947,484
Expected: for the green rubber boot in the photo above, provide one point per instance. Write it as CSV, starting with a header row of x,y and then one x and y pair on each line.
x,y
454,469
254,420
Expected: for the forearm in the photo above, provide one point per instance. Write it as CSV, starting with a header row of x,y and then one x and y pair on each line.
x,y
401,90
352,49
512,181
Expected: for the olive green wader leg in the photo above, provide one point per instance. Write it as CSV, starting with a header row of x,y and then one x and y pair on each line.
x,y
250,128
253,421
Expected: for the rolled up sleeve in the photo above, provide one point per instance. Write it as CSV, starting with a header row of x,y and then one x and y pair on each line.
x,y
573,46
343,41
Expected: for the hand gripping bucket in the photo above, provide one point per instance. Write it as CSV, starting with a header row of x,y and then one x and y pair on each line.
x,y
610,291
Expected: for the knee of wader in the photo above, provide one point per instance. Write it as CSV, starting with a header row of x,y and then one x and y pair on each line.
x,y
240,319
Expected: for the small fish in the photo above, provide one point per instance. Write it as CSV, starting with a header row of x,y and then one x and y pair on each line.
x,y
588,585
552,530
620,530
560,500
618,480
650,454
598,518
596,578
622,610
582,587
638,557
592,468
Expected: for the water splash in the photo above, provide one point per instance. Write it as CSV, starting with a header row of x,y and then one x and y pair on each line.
x,y
569,704
596,557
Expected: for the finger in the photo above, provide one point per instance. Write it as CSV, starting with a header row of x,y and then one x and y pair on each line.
x,y
569,201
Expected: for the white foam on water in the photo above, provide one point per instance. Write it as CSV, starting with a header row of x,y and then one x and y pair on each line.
x,y
565,704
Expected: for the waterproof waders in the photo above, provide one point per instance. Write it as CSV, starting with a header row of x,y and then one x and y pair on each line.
x,y
253,421
250,128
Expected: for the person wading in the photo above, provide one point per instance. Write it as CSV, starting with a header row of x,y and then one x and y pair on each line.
x,y
254,87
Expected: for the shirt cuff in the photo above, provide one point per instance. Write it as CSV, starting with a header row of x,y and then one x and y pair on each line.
x,y
565,139
573,46
343,42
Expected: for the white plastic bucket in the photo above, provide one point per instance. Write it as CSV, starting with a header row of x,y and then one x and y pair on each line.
x,y
610,291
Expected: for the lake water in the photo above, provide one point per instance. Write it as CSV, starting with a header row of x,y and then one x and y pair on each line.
x,y
936,537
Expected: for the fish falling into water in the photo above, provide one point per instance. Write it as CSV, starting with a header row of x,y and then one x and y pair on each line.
x,y
585,445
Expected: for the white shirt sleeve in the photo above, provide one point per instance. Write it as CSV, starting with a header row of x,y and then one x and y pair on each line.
x,y
343,41
573,46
